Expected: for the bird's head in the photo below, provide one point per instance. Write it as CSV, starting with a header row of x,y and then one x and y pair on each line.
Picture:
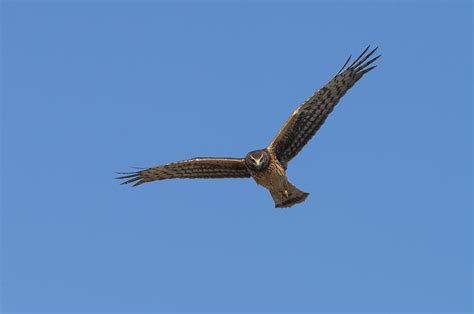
x,y
257,160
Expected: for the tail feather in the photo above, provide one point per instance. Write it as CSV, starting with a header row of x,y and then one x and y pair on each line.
x,y
288,197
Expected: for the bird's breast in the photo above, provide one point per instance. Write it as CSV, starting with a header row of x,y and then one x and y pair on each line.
x,y
272,176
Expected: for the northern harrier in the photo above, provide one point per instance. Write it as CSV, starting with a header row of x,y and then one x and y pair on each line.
x,y
268,166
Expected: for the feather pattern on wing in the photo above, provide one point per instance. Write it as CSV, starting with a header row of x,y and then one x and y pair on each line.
x,y
308,118
205,168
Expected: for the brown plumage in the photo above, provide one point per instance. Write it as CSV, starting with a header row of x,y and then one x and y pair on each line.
x,y
268,166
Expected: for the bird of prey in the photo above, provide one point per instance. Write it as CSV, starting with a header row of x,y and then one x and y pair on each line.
x,y
268,166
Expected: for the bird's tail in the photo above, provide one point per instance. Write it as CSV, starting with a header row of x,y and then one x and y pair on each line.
x,y
288,197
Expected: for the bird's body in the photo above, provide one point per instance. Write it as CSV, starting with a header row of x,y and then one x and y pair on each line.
x,y
268,166
273,178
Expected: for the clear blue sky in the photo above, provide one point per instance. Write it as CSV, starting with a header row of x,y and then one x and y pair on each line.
x,y
93,88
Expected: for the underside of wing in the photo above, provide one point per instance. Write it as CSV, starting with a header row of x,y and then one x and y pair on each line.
x,y
196,168
308,118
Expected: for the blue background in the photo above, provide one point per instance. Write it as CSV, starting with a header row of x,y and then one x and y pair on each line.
x,y
95,87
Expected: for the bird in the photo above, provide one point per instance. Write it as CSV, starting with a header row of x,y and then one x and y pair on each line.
x,y
268,166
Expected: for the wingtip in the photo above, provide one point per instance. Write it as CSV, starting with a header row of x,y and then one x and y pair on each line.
x,y
127,176
345,63
132,178
362,66
367,70
359,57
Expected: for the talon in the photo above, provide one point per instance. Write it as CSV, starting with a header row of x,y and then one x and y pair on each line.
x,y
286,193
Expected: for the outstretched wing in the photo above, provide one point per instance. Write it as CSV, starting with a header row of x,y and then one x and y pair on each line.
x,y
204,168
308,118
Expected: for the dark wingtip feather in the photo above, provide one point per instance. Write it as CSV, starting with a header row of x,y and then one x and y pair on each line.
x,y
367,70
135,178
361,61
128,175
360,56
347,61
363,66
